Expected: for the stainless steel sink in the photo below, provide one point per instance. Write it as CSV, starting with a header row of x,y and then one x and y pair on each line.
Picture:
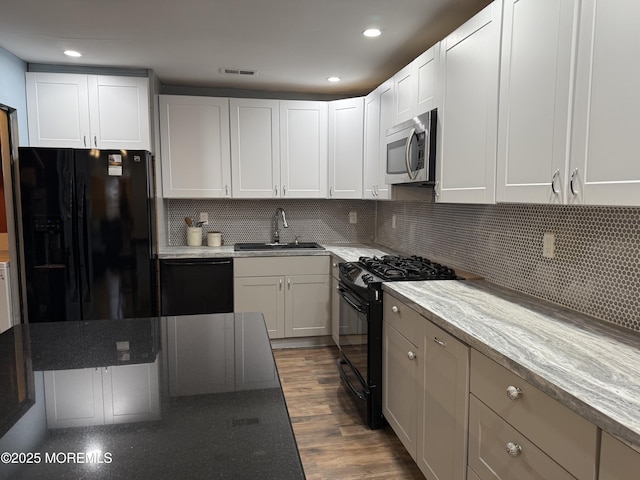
x,y
277,246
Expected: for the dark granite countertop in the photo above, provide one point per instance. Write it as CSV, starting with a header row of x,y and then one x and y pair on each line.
x,y
213,404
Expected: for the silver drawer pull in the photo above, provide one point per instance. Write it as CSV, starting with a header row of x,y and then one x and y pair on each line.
x,y
395,309
514,393
411,355
439,342
514,449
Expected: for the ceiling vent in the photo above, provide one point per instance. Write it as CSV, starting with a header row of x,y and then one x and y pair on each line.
x,y
246,72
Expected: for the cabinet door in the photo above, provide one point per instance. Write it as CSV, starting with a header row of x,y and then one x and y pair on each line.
x,y
131,393
428,80
442,443
58,110
371,144
346,134
469,117
119,112
383,190
73,398
303,155
307,305
404,94
490,438
605,141
401,391
535,91
335,311
265,295
255,148
195,151
617,460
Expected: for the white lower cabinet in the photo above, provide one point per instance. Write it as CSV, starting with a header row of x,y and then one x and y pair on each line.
x,y
425,390
293,293
518,431
617,460
401,389
442,443
105,395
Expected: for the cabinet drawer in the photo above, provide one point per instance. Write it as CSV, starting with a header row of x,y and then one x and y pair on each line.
x,y
404,319
617,460
271,266
489,439
560,432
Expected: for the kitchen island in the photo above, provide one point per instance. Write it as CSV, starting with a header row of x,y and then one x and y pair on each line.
x,y
172,397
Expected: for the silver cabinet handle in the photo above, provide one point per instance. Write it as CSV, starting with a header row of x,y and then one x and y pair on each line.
x,y
280,284
84,140
395,309
331,191
514,449
407,148
435,189
95,141
514,393
288,284
335,265
411,355
284,191
555,176
226,190
574,174
275,191
439,342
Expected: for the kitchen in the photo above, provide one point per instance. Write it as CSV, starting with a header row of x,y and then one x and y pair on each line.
x,y
595,245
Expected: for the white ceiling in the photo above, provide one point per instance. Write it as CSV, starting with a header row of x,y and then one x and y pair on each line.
x,y
294,44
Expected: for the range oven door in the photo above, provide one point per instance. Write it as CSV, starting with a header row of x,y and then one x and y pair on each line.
x,y
353,340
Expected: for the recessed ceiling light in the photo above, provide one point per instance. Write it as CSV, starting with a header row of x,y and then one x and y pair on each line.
x,y
333,79
372,32
72,53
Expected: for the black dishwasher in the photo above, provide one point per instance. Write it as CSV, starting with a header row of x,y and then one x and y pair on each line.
x,y
196,285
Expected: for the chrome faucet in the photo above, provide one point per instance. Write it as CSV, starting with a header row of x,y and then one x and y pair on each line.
x,y
276,233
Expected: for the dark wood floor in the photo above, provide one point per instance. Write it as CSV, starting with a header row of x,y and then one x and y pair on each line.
x,y
333,442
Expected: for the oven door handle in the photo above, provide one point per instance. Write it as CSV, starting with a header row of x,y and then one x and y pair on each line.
x,y
361,395
347,298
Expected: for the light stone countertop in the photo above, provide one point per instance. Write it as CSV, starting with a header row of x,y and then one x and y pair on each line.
x,y
347,252
587,365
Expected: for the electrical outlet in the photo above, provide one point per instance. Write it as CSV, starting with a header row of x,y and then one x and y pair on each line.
x,y
394,223
353,217
549,245
204,217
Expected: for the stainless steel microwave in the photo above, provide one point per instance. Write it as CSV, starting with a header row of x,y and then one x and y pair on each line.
x,y
411,150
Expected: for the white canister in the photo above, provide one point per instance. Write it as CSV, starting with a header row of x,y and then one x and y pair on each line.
x,y
214,239
194,236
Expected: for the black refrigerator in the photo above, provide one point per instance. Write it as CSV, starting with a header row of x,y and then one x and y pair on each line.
x,y
86,221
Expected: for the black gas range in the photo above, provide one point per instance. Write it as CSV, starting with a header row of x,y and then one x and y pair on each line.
x,y
360,335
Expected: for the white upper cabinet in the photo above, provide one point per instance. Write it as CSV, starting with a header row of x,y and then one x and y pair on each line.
x,y
538,52
255,148
604,156
468,119
303,149
194,142
88,111
346,132
415,87
278,148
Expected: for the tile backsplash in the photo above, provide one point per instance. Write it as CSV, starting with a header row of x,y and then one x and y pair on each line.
x,y
596,269
323,221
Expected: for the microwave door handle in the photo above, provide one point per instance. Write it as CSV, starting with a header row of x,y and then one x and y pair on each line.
x,y
407,150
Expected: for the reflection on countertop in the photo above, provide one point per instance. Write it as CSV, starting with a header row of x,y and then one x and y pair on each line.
x,y
171,397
